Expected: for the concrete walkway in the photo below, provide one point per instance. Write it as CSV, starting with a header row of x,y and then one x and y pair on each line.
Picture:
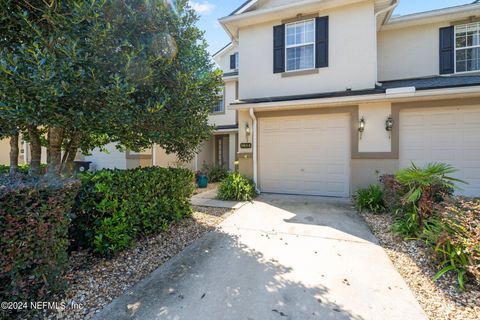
x,y
281,257
209,199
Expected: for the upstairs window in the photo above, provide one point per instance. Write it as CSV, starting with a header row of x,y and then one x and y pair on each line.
x,y
234,61
300,45
467,47
220,107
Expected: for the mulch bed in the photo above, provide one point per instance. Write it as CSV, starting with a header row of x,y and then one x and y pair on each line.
x,y
95,281
441,299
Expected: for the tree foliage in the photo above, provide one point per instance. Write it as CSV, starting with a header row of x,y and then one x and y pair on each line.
x,y
84,73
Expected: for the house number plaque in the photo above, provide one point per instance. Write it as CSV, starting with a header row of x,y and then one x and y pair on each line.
x,y
245,145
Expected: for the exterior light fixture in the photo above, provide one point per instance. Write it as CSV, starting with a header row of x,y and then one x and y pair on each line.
x,y
389,125
247,130
361,126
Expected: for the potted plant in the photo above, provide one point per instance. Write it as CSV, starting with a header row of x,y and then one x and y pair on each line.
x,y
202,179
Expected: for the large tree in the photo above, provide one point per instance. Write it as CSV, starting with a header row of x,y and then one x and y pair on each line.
x,y
80,74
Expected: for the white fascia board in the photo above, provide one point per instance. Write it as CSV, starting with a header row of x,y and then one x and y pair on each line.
x,y
434,16
381,97
221,52
246,7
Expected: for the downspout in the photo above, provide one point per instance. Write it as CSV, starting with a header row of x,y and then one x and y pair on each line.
x,y
254,146
392,7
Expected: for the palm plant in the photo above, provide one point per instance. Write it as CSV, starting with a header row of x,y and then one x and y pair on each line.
x,y
424,184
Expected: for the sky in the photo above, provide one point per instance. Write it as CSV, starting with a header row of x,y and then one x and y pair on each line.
x,y
211,10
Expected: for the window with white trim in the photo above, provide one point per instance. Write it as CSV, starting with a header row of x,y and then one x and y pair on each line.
x,y
300,45
467,47
237,61
220,107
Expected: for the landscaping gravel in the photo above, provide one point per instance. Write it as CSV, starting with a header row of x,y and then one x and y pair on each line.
x,y
95,281
440,299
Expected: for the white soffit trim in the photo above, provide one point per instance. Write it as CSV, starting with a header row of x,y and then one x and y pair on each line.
x,y
438,94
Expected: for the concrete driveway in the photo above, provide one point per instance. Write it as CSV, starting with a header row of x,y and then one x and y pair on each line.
x,y
281,257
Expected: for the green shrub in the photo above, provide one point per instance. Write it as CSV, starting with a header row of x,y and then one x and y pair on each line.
x,y
406,223
214,172
114,207
34,220
425,186
370,199
455,236
237,188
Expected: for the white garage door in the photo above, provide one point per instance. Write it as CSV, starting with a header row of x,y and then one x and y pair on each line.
x,y
450,135
305,155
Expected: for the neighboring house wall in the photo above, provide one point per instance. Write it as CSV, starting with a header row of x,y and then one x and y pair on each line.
x,y
351,56
114,159
5,152
409,52
223,60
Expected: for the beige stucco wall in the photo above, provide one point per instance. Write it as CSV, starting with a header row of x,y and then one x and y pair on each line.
x,y
245,165
409,52
4,152
367,171
243,120
351,56
223,60
162,159
375,138
229,116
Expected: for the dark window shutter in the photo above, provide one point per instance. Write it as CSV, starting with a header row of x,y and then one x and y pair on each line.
x,y
447,50
232,61
321,42
279,49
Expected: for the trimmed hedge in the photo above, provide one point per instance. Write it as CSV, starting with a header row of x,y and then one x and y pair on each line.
x,y
114,207
34,236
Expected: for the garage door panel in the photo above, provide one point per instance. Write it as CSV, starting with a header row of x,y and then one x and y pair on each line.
x,y
450,135
471,118
312,158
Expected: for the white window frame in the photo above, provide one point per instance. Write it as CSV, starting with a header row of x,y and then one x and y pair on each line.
x,y
223,102
463,48
237,60
300,45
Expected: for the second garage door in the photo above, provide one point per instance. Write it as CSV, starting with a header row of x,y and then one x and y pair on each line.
x,y
305,155
449,135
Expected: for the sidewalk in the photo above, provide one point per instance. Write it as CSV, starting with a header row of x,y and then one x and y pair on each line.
x,y
209,199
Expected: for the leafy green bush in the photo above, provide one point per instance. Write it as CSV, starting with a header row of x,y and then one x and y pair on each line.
x,y
425,186
236,187
455,236
370,199
116,206
34,236
214,172
406,223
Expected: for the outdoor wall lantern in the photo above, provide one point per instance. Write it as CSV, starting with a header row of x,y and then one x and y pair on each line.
x,y
361,126
247,130
389,125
